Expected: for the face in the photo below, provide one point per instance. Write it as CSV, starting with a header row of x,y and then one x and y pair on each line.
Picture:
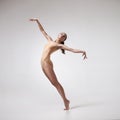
x,y
62,36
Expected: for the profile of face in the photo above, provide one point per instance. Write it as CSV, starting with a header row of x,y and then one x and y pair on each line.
x,y
62,36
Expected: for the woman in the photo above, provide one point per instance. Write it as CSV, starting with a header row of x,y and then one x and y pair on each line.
x,y
46,63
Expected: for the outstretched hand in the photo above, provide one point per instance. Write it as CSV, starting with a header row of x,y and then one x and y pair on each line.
x,y
34,19
84,55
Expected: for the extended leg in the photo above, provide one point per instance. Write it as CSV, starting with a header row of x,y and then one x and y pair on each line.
x,y
53,79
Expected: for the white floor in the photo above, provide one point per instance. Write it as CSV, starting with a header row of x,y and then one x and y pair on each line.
x,y
36,107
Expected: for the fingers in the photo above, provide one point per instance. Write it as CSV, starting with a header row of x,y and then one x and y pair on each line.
x,y
84,56
30,19
33,19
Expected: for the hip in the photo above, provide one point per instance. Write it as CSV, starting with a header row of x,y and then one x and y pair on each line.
x,y
46,63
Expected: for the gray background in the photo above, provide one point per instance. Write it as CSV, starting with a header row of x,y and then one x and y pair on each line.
x,y
93,85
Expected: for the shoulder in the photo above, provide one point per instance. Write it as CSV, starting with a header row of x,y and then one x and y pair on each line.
x,y
52,44
55,45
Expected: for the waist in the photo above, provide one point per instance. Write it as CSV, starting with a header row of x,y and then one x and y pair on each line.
x,y
45,60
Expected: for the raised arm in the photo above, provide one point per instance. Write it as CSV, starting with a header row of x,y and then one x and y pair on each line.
x,y
61,46
42,29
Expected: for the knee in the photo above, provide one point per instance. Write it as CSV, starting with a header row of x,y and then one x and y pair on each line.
x,y
55,84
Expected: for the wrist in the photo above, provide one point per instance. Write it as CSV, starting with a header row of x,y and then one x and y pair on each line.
x,y
83,51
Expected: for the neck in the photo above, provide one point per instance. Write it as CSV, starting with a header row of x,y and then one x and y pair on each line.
x,y
57,40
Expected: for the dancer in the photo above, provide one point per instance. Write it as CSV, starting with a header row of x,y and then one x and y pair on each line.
x,y
46,63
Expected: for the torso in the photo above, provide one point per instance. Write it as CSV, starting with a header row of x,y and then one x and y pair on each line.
x,y
49,48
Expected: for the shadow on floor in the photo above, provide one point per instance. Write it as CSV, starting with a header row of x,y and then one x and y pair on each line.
x,y
86,105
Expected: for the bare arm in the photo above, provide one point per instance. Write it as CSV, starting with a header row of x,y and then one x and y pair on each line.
x,y
73,50
42,29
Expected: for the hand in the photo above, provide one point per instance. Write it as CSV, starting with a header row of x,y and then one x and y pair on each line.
x,y
34,19
84,55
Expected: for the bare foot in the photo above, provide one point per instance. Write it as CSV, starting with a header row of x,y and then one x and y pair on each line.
x,y
67,105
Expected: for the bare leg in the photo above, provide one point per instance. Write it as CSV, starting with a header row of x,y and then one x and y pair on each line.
x,y
53,79
62,93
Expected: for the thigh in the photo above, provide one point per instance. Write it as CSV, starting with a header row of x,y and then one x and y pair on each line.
x,y
49,72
